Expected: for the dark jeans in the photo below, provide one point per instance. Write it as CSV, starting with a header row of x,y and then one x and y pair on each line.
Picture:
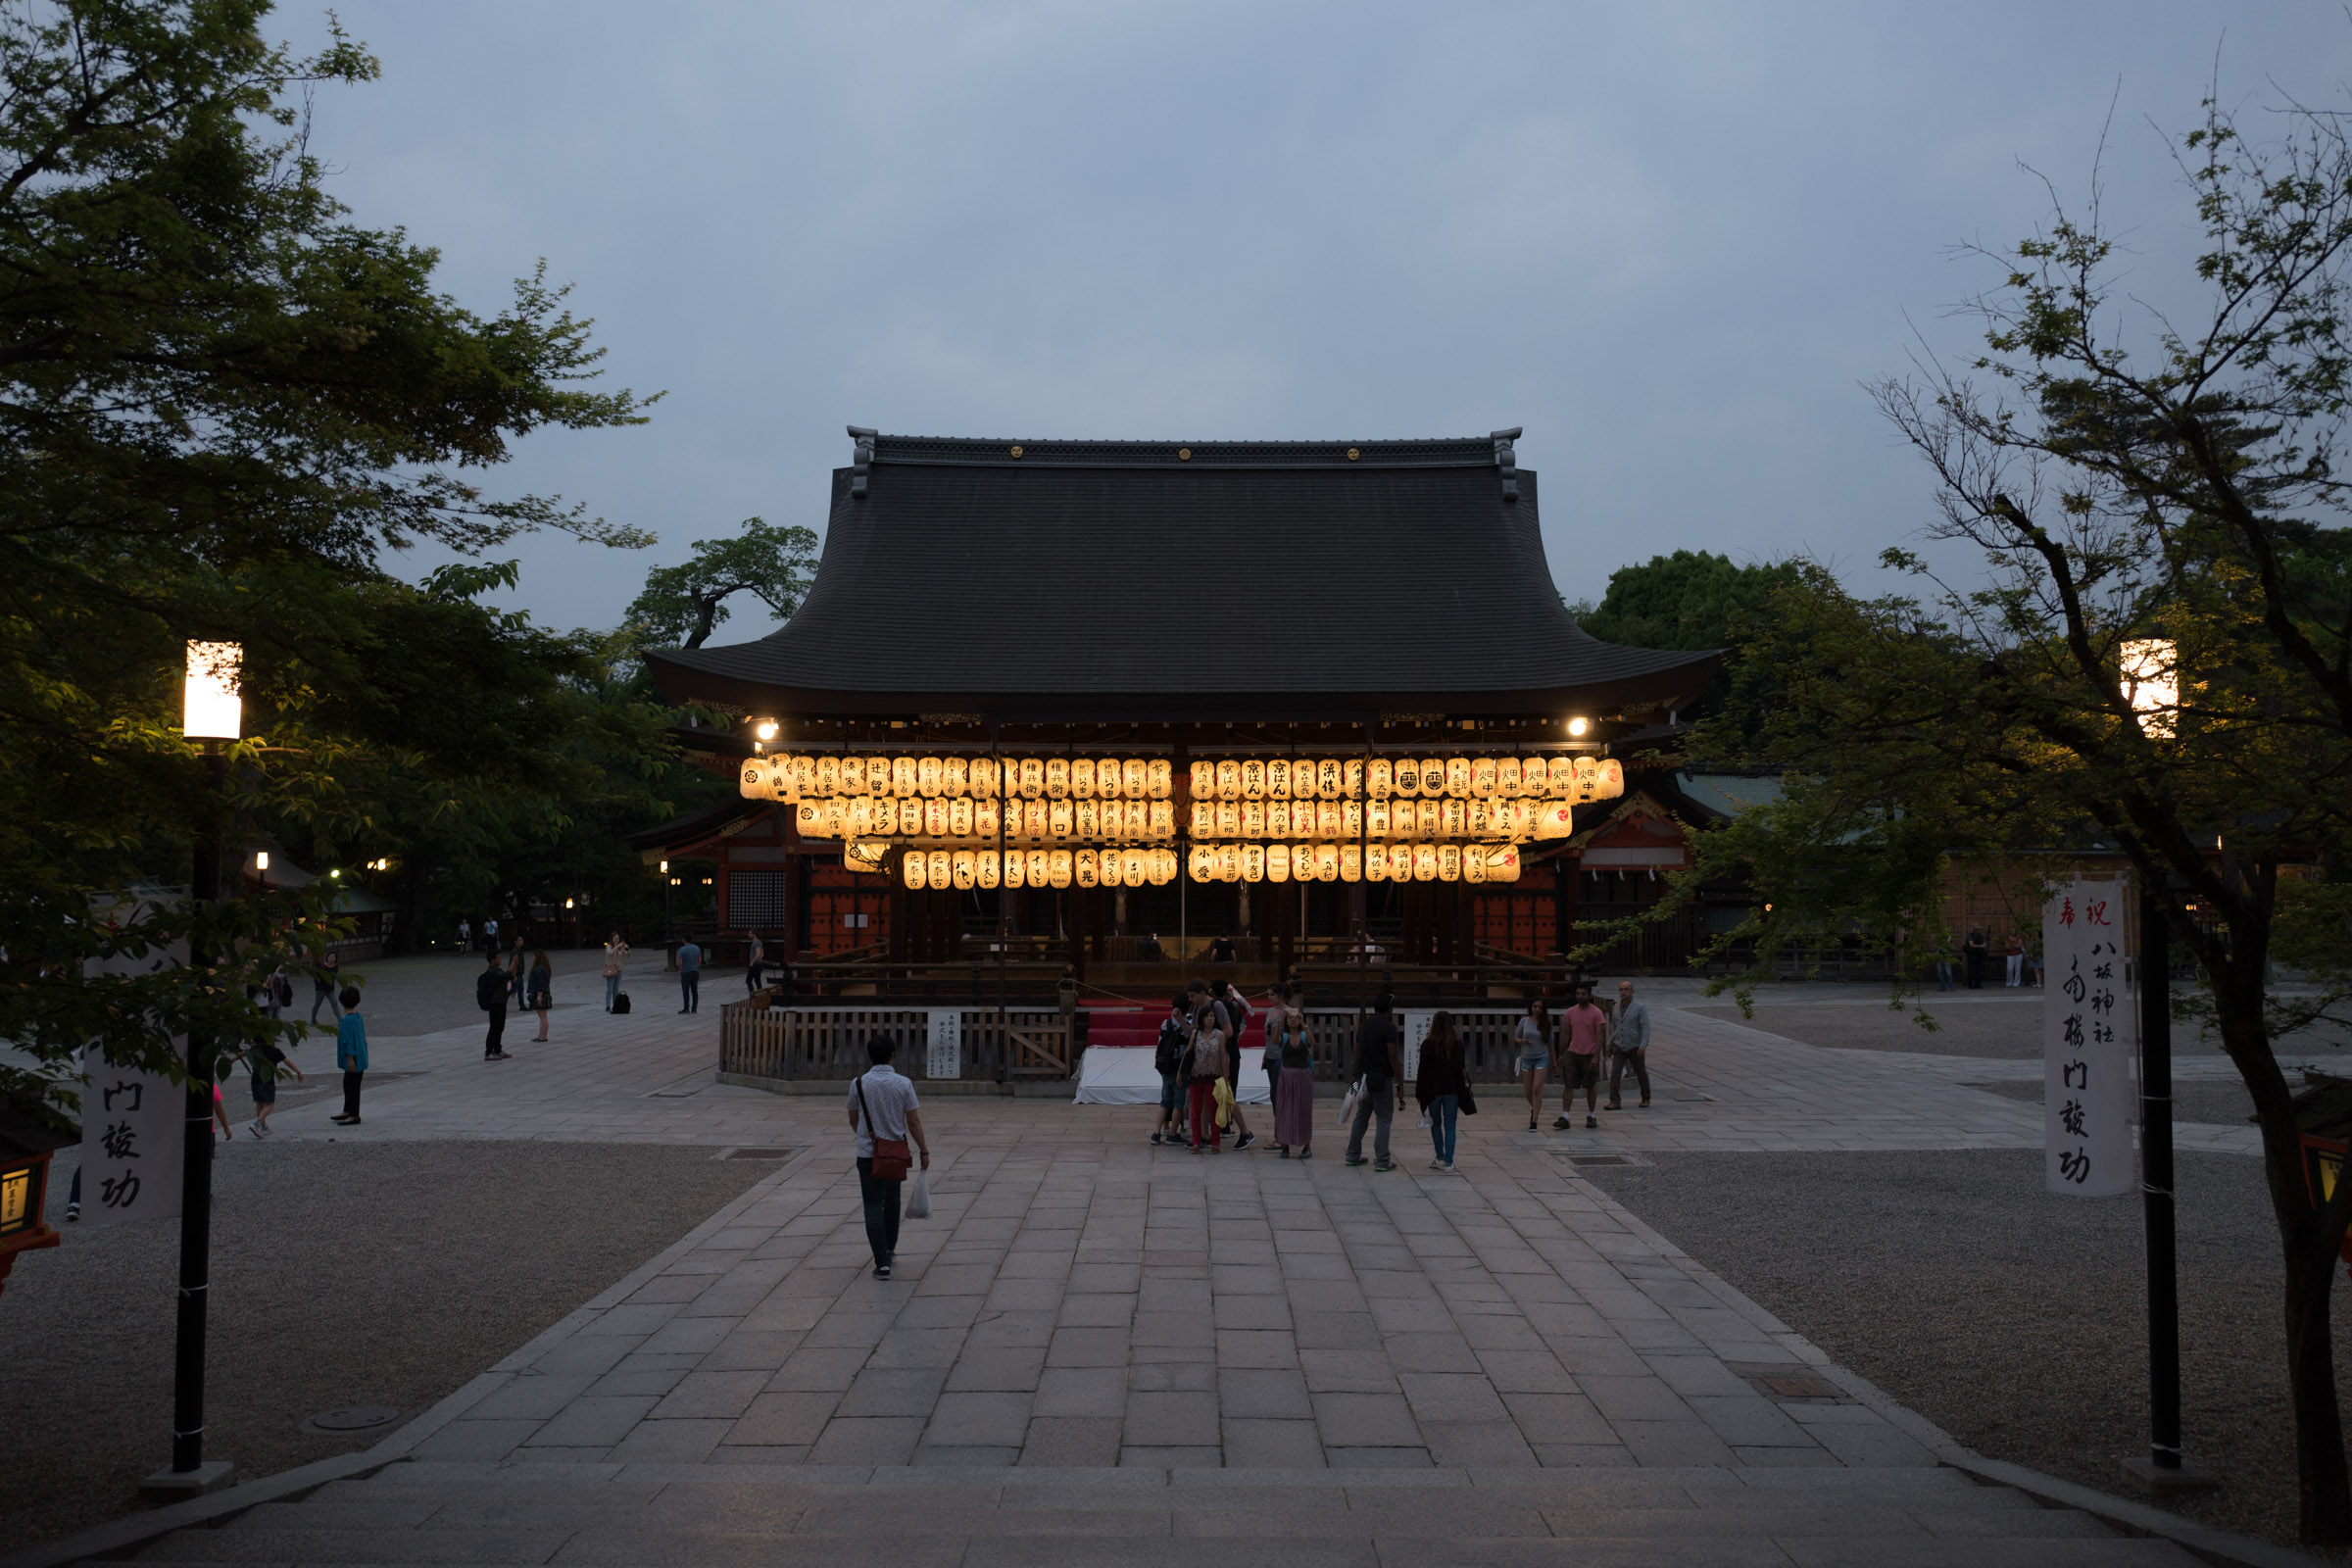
x,y
1445,1113
1638,1060
1273,1091
351,1091
498,1029
1380,1099
751,976
690,990
881,1210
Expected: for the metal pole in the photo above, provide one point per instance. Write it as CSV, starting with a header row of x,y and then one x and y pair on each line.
x,y
2156,1181
196,1159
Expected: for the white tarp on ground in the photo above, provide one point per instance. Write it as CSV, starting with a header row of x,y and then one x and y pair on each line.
x,y
1123,1075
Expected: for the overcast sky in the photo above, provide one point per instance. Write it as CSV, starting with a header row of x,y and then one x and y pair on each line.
x,y
1670,241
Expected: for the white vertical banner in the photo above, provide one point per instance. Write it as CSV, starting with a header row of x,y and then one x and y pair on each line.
x,y
945,1057
1415,1025
2088,1032
133,1127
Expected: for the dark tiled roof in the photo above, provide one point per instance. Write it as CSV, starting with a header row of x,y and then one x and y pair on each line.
x,y
1245,580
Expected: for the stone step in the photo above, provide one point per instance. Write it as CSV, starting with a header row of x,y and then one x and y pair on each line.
x,y
841,1517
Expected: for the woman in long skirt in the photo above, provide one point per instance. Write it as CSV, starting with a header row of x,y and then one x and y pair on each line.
x,y
1294,1103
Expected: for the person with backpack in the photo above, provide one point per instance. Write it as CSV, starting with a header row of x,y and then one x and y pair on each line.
x,y
490,995
1167,1056
1236,1020
1204,1068
1295,1101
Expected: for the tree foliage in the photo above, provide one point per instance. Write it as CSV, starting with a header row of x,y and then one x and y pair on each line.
x,y
683,605
220,403
2156,656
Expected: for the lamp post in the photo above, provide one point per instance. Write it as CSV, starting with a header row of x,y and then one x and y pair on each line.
x,y
666,885
211,712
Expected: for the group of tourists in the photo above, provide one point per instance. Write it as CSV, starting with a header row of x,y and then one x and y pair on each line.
x,y
2020,966
508,979
1198,1059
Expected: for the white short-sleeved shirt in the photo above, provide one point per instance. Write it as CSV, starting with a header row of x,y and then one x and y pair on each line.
x,y
889,1097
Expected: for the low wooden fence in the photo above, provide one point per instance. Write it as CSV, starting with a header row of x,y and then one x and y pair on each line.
x,y
756,1041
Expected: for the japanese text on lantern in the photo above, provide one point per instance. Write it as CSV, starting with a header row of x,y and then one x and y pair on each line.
x,y
2086,1089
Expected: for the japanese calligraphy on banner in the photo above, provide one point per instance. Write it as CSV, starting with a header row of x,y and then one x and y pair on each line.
x,y
1414,1026
2087,1036
945,1057
132,1127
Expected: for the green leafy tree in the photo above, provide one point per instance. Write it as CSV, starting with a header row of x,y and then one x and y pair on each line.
x,y
2156,658
1691,599
682,606
220,403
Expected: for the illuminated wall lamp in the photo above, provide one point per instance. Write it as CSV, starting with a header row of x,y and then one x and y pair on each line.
x,y
1578,726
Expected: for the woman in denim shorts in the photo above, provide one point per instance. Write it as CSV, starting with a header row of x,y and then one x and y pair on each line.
x,y
1532,1036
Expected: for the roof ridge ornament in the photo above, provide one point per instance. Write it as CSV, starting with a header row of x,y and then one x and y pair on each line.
x,y
861,460
1507,460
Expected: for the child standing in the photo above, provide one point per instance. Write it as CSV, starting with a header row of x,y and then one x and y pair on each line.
x,y
351,1054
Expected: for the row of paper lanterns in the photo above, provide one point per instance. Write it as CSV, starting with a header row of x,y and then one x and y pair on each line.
x,y
1444,818
1206,862
799,777
886,816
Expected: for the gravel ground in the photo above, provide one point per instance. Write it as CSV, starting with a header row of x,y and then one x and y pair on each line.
x,y
384,1274
2013,1318
2227,1103
2004,1026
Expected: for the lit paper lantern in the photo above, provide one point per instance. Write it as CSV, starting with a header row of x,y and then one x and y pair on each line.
x,y
868,857
1061,821
987,867
1085,869
1229,780
1203,823
903,777
1612,780
1203,781
1503,863
1160,783
935,817
1229,820
1506,777
1449,862
960,817
1555,821
1327,862
1379,779
1030,771
942,871
1081,781
836,818
1407,776
810,818
1253,781
1278,778
1140,814
1481,817
1034,819
1133,869
753,785
1474,862
1425,863
1522,821
1326,823
1351,864
828,775
1327,779
1277,862
1376,863
1016,869
1453,818
1163,823
804,777
1254,820
1351,819
1108,785
1041,868
1482,776
1457,777
1163,870
1057,778
1199,864
1561,781
963,868
955,775
1254,862
1227,863
1588,778
1135,779
1352,778
984,778
1087,819
1376,820
1278,820
860,820
910,813
916,870
877,775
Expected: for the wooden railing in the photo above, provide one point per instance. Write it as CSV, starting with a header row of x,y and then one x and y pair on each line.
x,y
788,1044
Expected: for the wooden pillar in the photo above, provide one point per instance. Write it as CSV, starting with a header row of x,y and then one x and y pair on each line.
x,y
1443,896
1286,926
902,920
1079,926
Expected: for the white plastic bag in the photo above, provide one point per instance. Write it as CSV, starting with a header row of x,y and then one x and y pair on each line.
x,y
1348,1103
918,1196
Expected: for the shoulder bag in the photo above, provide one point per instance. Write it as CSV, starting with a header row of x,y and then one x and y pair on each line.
x,y
892,1156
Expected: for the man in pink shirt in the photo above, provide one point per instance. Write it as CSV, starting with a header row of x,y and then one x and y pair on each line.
x,y
1583,1034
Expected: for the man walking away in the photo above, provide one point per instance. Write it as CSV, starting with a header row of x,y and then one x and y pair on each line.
x,y
1584,1032
1380,1063
690,976
351,1054
1630,1036
882,1104
1237,1020
490,995
1167,1058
